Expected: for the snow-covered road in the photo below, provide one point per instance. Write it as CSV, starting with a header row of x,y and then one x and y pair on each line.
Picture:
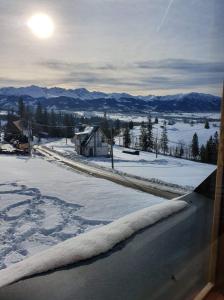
x,y
165,171
76,162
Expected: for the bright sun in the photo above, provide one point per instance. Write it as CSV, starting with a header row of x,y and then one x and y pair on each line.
x,y
41,25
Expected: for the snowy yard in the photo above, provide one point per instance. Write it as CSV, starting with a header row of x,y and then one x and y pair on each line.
x,y
42,204
170,170
60,145
177,133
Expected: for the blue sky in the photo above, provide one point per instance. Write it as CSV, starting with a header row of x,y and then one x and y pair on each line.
x,y
141,47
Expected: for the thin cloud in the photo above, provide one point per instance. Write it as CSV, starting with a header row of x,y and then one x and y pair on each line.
x,y
58,65
183,65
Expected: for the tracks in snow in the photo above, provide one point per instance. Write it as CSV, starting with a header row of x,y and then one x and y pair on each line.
x,y
31,220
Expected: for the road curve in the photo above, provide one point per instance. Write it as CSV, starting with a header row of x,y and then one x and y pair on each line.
x,y
125,180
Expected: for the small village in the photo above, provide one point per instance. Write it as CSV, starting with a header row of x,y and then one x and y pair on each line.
x,y
95,136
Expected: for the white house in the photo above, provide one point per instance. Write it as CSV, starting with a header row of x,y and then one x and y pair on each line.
x,y
91,142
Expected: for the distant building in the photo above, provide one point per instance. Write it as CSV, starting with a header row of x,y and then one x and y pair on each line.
x,y
91,142
17,135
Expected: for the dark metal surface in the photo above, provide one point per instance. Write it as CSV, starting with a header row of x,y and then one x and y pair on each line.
x,y
165,261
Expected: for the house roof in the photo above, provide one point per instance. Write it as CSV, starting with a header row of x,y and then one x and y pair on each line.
x,y
88,134
18,125
94,129
87,130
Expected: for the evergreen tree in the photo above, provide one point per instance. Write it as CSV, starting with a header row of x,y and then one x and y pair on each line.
x,y
53,129
126,137
117,125
9,119
164,139
143,138
181,150
105,128
45,117
209,150
207,126
215,146
68,122
149,134
216,138
156,120
45,121
131,125
21,108
203,154
212,149
39,114
195,146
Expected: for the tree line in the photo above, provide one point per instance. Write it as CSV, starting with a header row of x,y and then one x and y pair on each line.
x,y
51,123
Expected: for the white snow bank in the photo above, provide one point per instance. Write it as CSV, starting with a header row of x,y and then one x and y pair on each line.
x,y
90,244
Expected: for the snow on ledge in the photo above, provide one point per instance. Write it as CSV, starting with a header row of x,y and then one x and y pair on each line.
x,y
90,244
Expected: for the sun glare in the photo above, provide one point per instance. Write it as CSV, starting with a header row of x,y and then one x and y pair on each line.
x,y
41,26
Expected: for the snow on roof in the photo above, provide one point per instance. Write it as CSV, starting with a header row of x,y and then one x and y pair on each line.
x,y
87,130
90,244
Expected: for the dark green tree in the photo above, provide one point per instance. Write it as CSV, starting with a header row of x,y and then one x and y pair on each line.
x,y
156,120
117,127
181,150
216,147
164,139
209,150
53,129
21,108
105,128
126,137
207,126
130,125
39,114
203,157
143,138
195,146
149,134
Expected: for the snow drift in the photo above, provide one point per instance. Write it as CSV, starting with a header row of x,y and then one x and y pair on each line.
x,y
90,244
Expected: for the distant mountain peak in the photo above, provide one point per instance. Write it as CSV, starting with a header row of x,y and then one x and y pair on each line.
x,y
82,99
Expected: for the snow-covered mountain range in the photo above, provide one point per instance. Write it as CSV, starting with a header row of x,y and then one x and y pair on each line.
x,y
37,92
82,99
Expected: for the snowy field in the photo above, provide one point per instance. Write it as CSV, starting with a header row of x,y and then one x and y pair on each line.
x,y
60,145
170,170
180,132
177,133
43,203
140,118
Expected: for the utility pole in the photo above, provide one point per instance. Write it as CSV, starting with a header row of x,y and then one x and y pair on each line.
x,y
66,135
29,136
156,142
111,149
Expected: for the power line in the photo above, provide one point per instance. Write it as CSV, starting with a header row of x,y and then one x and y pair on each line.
x,y
52,126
